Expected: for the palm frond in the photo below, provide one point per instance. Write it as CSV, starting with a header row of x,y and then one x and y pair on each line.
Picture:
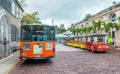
x,y
116,26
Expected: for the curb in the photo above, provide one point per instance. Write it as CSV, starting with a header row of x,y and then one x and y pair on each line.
x,y
12,67
8,56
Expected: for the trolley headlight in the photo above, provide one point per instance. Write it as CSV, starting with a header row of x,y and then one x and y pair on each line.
x,y
26,47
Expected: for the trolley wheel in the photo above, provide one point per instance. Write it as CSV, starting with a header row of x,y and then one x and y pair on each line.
x,y
21,58
104,51
92,51
92,48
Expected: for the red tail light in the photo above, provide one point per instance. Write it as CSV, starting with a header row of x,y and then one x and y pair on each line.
x,y
21,50
54,49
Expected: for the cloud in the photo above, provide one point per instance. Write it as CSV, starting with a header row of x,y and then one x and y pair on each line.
x,y
57,22
66,11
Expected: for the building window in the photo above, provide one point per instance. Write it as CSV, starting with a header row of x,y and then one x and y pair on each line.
x,y
6,4
82,25
14,33
113,17
93,22
13,8
16,11
87,24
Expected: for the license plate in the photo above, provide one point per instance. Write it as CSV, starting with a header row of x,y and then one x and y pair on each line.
x,y
37,56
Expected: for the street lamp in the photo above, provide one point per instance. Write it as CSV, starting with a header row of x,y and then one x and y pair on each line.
x,y
53,22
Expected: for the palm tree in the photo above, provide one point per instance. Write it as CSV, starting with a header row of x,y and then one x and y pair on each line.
x,y
84,30
88,29
94,27
80,30
77,31
116,26
99,23
119,18
111,25
119,21
88,16
108,26
74,31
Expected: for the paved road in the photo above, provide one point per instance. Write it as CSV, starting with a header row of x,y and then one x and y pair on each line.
x,y
60,47
71,62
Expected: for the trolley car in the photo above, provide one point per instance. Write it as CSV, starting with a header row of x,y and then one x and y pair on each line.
x,y
37,41
89,42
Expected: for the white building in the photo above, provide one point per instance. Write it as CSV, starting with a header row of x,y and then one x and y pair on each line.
x,y
110,14
11,14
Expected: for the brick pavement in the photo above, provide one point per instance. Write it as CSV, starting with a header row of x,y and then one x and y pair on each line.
x,y
115,51
72,62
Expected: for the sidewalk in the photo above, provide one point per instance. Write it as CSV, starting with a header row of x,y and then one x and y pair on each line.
x,y
115,51
8,62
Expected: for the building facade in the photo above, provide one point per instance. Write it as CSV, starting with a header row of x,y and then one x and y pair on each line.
x,y
110,14
11,14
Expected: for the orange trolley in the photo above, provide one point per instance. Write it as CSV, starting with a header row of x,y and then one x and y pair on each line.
x,y
37,41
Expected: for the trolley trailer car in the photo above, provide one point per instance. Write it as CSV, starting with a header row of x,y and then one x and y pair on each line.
x,y
89,42
100,45
37,41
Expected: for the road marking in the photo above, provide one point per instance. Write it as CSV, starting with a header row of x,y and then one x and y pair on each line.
x,y
12,67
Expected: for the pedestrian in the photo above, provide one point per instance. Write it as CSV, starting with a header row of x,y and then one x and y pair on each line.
x,y
100,39
40,38
110,40
35,38
92,39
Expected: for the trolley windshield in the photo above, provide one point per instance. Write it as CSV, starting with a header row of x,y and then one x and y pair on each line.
x,y
37,33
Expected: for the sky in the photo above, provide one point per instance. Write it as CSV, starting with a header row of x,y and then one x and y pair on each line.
x,y
66,11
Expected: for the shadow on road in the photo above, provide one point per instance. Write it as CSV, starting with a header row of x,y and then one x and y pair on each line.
x,y
36,62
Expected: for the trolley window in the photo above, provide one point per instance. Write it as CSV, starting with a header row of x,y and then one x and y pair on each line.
x,y
37,33
25,33
50,34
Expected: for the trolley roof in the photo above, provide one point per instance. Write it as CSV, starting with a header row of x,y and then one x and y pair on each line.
x,y
92,35
37,24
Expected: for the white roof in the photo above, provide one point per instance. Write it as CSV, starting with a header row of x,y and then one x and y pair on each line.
x,y
60,35
65,34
